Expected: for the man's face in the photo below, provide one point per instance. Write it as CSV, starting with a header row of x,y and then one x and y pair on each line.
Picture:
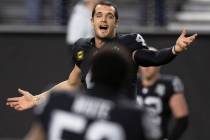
x,y
104,22
149,72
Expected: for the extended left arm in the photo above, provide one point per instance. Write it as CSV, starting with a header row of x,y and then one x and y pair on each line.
x,y
146,57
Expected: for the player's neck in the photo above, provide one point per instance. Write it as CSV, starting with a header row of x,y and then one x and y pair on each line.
x,y
99,42
150,81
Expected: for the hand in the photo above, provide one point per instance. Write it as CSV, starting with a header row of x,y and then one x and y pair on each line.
x,y
183,42
26,101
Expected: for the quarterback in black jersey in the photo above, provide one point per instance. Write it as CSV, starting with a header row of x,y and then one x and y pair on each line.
x,y
104,113
162,96
133,43
105,21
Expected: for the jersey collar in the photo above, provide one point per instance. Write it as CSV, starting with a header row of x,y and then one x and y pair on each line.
x,y
92,40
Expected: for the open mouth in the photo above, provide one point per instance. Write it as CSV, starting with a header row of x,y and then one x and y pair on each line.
x,y
103,27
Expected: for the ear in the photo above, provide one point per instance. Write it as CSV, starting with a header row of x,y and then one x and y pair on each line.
x,y
92,21
117,23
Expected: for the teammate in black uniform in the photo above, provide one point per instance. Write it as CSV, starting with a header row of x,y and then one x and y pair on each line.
x,y
103,113
105,22
162,96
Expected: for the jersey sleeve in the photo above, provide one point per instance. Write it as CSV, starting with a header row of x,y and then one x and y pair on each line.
x,y
146,57
177,85
142,55
136,45
77,53
134,41
139,41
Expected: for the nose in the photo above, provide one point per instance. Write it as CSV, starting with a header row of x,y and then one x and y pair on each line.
x,y
104,19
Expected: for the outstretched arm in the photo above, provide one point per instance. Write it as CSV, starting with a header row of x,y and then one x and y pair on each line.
x,y
27,100
145,57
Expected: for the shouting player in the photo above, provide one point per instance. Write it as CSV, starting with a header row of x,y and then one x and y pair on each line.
x,y
105,21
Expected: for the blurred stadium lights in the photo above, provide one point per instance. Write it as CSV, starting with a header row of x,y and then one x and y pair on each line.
x,y
194,15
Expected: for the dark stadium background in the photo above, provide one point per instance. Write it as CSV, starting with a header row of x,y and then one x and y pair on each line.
x,y
36,57
33,61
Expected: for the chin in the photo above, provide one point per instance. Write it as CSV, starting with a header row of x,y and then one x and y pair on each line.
x,y
103,36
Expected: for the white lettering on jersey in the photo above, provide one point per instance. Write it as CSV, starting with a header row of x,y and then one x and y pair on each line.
x,y
77,125
92,107
101,130
65,121
139,38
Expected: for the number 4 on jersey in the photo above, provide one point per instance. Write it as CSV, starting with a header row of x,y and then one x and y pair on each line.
x,y
139,38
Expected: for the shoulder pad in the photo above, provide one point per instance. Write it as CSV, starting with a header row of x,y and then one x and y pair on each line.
x,y
133,41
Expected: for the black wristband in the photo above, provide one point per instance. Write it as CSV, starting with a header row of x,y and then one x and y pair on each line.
x,y
178,129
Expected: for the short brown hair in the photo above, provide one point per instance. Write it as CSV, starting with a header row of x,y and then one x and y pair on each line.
x,y
107,3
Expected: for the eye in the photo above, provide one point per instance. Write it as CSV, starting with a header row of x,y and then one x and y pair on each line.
x,y
110,16
98,15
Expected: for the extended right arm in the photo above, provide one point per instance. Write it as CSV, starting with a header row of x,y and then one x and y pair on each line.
x,y
27,100
72,83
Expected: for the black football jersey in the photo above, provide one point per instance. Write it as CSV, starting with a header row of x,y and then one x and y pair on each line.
x,y
86,117
155,99
83,49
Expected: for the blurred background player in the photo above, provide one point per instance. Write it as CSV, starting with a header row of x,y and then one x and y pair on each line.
x,y
163,97
105,22
103,113
36,11
79,25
